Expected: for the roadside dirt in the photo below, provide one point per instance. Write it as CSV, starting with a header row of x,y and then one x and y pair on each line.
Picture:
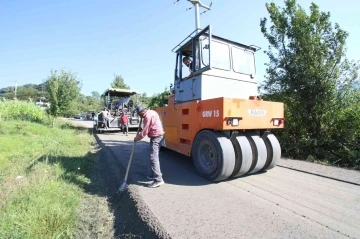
x,y
105,213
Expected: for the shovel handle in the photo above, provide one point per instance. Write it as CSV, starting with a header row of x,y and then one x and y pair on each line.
x,y
132,153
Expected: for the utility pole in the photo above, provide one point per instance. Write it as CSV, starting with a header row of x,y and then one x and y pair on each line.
x,y
197,5
15,87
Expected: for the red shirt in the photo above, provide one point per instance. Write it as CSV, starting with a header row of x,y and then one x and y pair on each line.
x,y
152,125
124,119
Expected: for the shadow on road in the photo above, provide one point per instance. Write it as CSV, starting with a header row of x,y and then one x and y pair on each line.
x,y
177,169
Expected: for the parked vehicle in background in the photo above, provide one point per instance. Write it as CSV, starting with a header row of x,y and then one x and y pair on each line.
x,y
89,115
42,102
80,116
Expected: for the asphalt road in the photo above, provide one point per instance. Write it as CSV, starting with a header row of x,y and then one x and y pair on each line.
x,y
281,203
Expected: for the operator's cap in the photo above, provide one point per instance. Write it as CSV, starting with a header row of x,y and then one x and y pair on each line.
x,y
139,109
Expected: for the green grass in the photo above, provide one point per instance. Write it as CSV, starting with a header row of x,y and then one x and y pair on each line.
x,y
43,172
21,110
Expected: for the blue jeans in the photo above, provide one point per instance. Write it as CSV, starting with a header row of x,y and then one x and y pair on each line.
x,y
125,126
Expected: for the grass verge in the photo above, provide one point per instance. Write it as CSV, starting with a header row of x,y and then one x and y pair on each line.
x,y
43,173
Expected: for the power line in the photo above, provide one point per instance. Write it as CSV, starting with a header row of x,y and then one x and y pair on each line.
x,y
158,32
154,34
141,19
178,23
129,24
163,31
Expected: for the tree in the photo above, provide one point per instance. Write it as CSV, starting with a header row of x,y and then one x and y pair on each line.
x,y
7,92
118,82
95,95
26,93
63,90
308,70
140,99
144,99
158,100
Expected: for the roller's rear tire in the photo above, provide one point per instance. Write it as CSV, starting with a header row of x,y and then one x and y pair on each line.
x,y
213,155
273,152
243,155
259,152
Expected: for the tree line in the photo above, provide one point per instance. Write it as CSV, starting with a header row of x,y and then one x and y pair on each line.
x,y
62,89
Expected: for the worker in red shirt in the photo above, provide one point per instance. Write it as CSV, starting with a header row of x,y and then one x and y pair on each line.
x,y
152,128
124,123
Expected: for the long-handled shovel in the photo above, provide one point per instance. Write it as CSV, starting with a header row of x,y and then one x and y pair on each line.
x,y
124,184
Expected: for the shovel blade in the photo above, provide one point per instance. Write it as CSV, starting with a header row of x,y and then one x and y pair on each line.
x,y
123,186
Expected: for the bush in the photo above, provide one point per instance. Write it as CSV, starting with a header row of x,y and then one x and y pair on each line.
x,y
336,144
20,110
343,146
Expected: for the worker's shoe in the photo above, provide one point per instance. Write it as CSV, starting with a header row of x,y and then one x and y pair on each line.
x,y
156,184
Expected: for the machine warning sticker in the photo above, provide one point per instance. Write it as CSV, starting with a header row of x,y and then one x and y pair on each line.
x,y
210,113
257,112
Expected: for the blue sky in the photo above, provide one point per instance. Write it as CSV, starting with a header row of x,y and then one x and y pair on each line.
x,y
97,39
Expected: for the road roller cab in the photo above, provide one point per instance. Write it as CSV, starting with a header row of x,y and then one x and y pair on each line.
x,y
215,116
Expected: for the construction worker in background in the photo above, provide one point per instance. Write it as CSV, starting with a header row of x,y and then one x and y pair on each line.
x,y
105,116
187,61
124,123
152,127
118,104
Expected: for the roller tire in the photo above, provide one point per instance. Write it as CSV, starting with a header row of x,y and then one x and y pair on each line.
x,y
259,152
273,152
243,156
213,155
